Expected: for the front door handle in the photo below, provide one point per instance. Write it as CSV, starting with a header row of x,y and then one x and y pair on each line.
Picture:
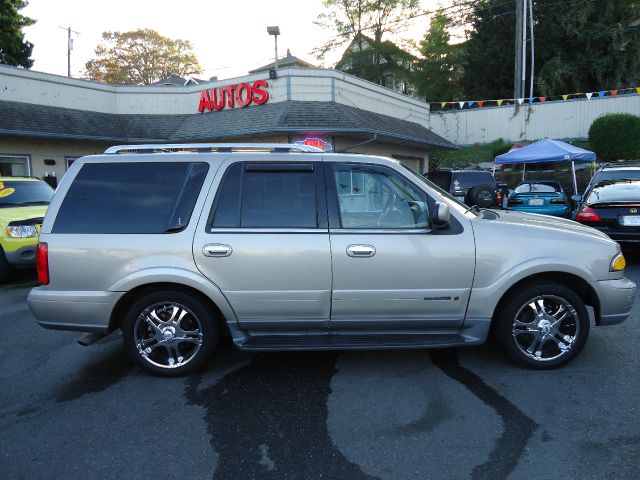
x,y
361,250
217,250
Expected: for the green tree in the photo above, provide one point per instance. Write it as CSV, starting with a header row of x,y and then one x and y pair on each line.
x,y
580,46
438,72
141,57
587,45
488,54
364,23
14,49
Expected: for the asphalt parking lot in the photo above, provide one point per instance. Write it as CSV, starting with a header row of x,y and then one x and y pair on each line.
x,y
74,412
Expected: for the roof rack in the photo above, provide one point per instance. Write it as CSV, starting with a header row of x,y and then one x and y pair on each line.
x,y
212,147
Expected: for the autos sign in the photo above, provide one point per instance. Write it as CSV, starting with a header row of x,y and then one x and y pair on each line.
x,y
231,96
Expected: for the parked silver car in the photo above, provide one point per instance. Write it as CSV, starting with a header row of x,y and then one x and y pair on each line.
x,y
287,248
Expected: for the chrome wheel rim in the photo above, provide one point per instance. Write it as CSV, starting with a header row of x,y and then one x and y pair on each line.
x,y
546,328
168,335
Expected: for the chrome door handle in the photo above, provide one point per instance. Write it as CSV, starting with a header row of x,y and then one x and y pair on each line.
x,y
361,250
217,250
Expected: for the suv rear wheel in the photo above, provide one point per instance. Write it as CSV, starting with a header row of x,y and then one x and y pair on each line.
x,y
169,333
543,326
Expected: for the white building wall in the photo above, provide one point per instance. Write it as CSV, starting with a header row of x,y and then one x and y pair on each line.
x,y
318,85
558,119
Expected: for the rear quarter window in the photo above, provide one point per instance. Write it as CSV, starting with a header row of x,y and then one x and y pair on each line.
x,y
145,197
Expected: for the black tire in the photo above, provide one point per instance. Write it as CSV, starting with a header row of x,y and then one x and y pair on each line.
x,y
196,326
548,352
7,270
484,196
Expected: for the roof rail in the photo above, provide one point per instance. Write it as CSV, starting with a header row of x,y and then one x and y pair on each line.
x,y
212,147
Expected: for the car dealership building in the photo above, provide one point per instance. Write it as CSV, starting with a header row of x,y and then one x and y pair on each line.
x,y
46,121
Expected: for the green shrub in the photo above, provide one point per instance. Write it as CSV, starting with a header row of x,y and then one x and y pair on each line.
x,y
501,147
616,136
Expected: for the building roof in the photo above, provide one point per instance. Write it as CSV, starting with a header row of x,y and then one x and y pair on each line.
x,y
31,120
288,61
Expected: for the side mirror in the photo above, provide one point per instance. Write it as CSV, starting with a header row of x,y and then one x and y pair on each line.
x,y
576,198
441,215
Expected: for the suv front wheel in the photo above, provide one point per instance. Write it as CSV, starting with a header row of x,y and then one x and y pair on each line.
x,y
543,326
169,333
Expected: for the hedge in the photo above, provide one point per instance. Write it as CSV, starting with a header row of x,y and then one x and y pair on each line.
x,y
616,136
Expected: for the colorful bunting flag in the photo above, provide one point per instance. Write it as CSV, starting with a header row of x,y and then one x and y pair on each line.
x,y
542,99
471,102
530,99
461,104
500,101
601,93
614,93
520,100
638,90
589,95
480,103
442,104
564,97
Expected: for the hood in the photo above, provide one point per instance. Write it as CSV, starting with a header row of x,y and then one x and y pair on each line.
x,y
537,221
12,214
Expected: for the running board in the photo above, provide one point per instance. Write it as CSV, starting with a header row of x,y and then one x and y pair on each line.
x,y
334,341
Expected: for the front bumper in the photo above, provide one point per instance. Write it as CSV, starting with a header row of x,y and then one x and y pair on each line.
x,y
616,300
22,257
76,311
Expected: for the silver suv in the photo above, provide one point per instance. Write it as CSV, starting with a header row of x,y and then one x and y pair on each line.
x,y
284,247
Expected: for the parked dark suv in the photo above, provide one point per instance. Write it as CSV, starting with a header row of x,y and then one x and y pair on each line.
x,y
473,187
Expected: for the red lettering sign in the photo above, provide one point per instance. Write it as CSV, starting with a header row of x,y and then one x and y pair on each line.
x,y
231,96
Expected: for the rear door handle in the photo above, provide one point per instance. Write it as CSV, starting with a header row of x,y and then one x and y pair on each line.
x,y
361,250
217,250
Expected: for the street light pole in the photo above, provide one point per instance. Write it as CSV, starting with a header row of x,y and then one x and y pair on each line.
x,y
275,31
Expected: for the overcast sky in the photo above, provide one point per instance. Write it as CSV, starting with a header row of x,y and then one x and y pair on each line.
x,y
229,38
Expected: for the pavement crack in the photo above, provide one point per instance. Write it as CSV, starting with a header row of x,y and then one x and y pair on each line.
x,y
517,427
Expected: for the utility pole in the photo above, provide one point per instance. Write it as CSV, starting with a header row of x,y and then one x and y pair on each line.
x,y
517,73
69,47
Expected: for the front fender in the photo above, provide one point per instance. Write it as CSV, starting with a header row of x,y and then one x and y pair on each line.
x,y
486,295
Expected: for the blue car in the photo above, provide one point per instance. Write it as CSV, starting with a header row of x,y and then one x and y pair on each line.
x,y
540,196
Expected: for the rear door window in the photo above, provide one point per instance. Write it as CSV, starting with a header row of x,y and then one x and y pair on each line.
x,y
268,195
144,197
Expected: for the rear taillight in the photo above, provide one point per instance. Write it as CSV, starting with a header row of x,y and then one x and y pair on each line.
x,y
557,201
499,197
42,262
587,214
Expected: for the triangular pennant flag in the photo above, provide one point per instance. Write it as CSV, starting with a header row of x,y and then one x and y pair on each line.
x,y
564,97
542,99
614,93
520,100
601,93
461,104
480,103
638,90
443,104
500,101
589,95
471,102
530,99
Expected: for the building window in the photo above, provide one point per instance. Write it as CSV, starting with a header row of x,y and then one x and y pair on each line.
x,y
14,166
68,161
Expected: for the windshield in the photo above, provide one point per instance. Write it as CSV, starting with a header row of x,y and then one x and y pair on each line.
x,y
604,175
628,191
538,187
461,206
21,193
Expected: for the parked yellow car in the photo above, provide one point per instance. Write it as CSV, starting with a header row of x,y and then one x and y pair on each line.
x,y
23,203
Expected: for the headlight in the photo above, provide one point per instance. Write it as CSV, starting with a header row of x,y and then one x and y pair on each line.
x,y
22,231
618,263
